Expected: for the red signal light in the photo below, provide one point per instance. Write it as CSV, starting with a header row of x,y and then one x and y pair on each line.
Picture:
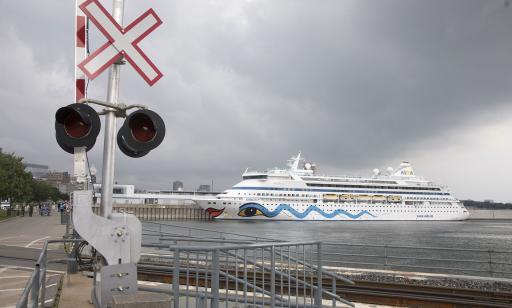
x,y
75,126
142,128
142,131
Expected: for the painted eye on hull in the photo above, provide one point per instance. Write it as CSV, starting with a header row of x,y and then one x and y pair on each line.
x,y
250,212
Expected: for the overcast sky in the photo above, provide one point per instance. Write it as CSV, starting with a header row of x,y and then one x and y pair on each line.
x,y
354,85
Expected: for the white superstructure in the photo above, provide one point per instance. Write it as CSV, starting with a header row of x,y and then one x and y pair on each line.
x,y
298,193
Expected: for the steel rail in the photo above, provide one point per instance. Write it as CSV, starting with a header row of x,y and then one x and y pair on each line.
x,y
232,247
444,295
163,271
436,297
216,231
416,247
178,239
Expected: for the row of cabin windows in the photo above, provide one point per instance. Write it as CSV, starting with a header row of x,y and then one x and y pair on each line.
x,y
326,200
381,209
215,202
354,191
374,187
377,206
339,180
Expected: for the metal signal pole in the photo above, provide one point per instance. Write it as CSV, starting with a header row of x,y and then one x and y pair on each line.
x,y
109,145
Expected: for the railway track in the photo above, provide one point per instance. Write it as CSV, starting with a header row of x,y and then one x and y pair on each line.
x,y
419,296
371,293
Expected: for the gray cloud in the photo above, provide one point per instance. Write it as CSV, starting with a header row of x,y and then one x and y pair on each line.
x,y
352,84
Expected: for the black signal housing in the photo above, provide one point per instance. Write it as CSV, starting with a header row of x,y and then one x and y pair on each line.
x,y
142,131
76,125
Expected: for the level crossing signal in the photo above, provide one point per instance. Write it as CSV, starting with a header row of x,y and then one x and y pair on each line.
x,y
142,131
76,125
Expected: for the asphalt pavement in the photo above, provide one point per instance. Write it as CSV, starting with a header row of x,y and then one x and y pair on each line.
x,y
21,240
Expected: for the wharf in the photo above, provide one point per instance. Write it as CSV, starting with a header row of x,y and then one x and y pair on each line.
x,y
21,239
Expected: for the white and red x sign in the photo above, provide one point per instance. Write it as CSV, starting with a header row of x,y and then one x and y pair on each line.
x,y
120,42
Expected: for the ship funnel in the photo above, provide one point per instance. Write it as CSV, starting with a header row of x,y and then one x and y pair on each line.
x,y
405,169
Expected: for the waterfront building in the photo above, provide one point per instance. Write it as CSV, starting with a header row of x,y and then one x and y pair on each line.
x,y
177,186
38,171
204,188
59,180
129,195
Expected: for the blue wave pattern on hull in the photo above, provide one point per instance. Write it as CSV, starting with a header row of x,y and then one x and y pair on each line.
x,y
312,208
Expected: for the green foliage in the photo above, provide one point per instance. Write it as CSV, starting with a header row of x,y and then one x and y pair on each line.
x,y
17,184
3,214
42,191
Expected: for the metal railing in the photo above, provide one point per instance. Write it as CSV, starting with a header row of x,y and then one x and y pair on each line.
x,y
160,212
458,261
269,274
155,230
34,293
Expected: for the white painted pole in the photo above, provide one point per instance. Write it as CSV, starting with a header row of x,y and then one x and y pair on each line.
x,y
79,156
109,147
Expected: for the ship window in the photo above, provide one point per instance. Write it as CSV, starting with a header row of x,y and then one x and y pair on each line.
x,y
255,177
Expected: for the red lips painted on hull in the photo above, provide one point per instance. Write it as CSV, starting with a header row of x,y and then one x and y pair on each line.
x,y
214,212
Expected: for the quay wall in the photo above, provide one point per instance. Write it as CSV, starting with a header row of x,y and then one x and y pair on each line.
x,y
489,214
161,212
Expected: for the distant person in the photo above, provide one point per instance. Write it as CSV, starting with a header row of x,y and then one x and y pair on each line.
x,y
30,210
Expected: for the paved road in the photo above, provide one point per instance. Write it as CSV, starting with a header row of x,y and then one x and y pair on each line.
x,y
31,232
21,240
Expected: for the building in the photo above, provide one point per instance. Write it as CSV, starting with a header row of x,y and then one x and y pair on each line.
x,y
204,188
177,186
128,195
59,180
38,171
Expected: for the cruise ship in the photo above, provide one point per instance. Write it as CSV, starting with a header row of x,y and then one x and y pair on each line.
x,y
299,193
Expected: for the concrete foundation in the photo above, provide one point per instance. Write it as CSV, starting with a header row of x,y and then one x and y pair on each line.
x,y
142,300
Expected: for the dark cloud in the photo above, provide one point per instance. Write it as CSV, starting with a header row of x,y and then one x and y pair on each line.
x,y
248,83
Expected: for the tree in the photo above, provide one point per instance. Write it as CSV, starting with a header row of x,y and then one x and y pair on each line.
x,y
18,185
42,191
15,182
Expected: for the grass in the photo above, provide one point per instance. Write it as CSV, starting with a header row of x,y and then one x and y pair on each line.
x,y
3,214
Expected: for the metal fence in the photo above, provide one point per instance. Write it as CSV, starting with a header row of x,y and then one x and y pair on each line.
x,y
337,255
156,231
271,274
486,263
158,212
33,294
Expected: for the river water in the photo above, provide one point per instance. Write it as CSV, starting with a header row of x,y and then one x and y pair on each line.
x,y
474,234
400,245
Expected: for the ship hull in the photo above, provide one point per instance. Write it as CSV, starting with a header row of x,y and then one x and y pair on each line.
x,y
253,210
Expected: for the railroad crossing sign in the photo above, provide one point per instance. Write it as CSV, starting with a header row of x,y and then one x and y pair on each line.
x,y
121,42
